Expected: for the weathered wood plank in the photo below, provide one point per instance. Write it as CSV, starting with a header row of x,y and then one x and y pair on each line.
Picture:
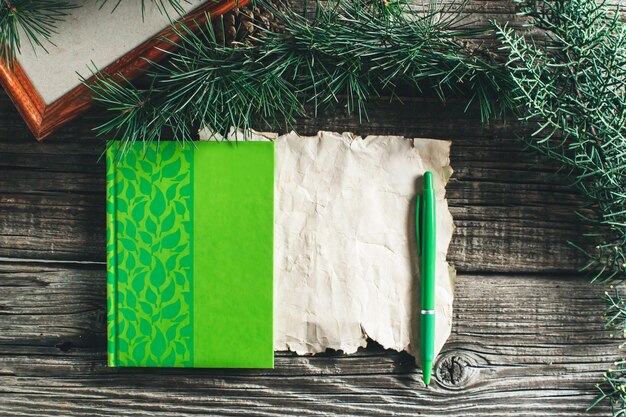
x,y
523,344
512,212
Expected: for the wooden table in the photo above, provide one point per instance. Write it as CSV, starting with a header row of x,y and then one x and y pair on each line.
x,y
527,337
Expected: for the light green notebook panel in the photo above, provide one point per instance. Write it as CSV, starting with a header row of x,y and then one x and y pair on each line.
x,y
190,253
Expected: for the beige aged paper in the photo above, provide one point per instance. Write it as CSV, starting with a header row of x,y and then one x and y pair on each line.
x,y
346,267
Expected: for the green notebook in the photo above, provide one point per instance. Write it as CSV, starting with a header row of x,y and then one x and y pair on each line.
x,y
190,254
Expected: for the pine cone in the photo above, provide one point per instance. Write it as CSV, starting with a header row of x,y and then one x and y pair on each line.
x,y
237,26
225,29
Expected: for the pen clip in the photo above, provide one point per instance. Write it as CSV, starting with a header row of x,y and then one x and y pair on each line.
x,y
418,224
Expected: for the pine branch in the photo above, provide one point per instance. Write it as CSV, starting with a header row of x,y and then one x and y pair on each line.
x,y
351,52
572,87
612,389
34,19
615,313
165,7
574,91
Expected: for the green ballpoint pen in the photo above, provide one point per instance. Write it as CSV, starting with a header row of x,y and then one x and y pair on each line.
x,y
425,234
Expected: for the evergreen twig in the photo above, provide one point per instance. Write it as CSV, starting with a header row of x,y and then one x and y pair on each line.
x,y
163,6
572,87
37,20
615,313
351,52
34,19
612,389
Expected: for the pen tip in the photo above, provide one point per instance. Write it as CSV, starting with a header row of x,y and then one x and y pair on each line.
x,y
426,372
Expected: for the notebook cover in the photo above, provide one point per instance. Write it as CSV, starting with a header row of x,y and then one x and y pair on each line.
x,y
190,254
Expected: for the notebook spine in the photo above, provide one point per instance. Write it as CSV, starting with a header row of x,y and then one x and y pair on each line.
x,y
111,210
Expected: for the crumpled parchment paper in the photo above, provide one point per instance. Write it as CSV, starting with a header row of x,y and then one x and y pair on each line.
x,y
345,258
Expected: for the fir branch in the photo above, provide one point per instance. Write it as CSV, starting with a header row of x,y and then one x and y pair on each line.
x,y
163,6
612,389
351,52
572,87
615,313
34,19
135,109
204,85
574,90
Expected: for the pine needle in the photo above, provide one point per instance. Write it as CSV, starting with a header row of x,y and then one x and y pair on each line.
x,y
573,88
34,19
164,7
351,52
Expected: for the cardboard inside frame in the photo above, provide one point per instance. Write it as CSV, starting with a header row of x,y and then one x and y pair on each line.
x,y
44,118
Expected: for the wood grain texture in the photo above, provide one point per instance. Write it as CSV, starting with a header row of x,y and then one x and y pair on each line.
x,y
21,91
513,214
527,337
512,350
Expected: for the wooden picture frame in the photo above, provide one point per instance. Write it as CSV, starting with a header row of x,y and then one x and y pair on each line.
x,y
43,119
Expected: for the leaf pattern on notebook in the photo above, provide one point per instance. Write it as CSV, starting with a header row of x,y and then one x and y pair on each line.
x,y
111,265
154,262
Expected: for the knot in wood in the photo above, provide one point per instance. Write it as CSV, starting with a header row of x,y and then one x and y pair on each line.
x,y
454,371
